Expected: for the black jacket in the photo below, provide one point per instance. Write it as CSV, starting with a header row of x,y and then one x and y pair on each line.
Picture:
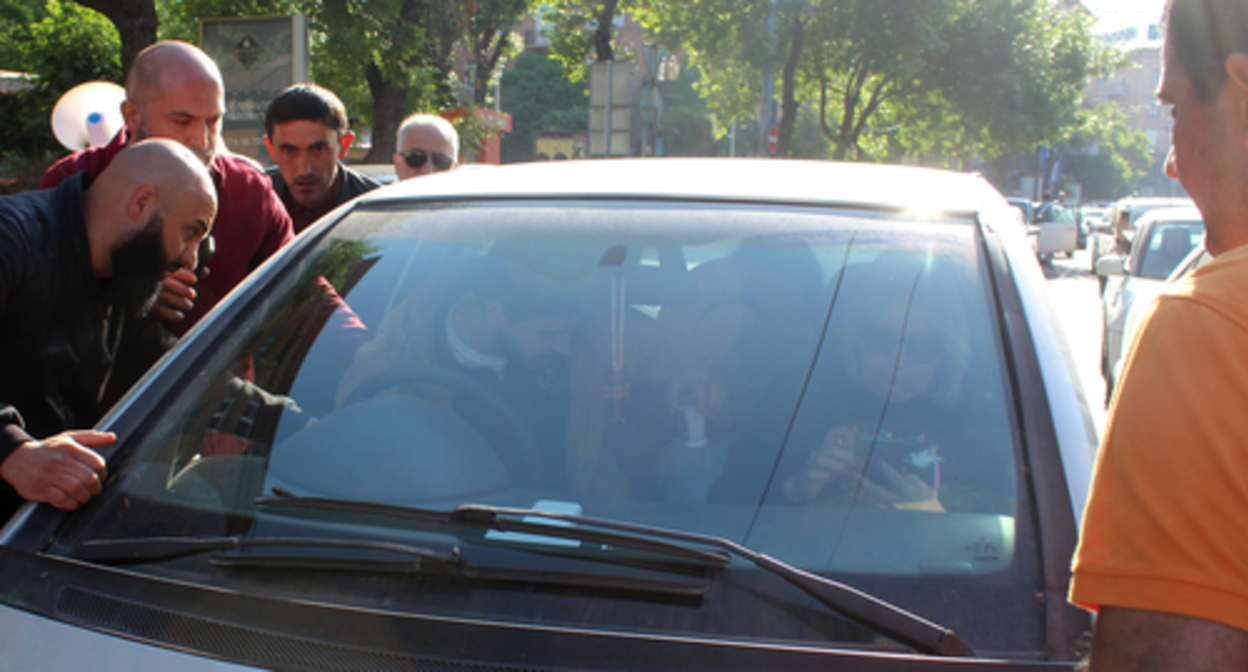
x,y
353,184
60,336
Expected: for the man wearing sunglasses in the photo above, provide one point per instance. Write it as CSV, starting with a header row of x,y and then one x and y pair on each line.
x,y
426,144
307,135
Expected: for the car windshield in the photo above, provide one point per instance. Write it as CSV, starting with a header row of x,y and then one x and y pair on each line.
x,y
1168,244
827,387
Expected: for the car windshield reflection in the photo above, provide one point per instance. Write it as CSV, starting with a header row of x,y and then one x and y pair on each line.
x,y
826,388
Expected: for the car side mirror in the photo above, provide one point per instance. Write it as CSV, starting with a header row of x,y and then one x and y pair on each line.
x,y
1111,264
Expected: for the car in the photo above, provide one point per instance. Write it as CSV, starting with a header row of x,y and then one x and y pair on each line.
x,y
1059,232
1053,228
622,414
1135,314
1164,239
1115,233
1091,217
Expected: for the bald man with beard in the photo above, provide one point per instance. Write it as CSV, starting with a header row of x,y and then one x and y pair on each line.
x,y
75,263
175,91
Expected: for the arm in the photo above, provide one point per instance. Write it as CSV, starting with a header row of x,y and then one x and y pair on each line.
x,y
278,229
1135,639
61,470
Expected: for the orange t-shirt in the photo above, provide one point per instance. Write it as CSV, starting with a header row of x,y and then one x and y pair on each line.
x,y
1166,526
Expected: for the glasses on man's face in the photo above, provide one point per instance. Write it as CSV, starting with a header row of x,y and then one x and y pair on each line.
x,y
416,158
923,347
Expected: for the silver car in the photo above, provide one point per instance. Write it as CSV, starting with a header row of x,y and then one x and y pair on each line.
x,y
1164,238
642,415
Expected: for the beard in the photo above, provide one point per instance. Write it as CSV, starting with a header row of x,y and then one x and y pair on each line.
x,y
139,265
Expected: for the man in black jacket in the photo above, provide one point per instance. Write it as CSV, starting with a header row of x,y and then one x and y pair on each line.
x,y
307,135
75,261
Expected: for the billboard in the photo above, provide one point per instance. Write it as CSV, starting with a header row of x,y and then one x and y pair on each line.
x,y
258,58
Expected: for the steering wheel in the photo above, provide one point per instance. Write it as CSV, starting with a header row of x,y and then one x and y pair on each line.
x,y
525,445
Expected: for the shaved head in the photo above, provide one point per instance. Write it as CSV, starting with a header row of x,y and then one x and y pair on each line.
x,y
164,163
176,60
175,91
158,193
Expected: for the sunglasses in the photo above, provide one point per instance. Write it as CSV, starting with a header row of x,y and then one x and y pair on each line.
x,y
416,158
922,347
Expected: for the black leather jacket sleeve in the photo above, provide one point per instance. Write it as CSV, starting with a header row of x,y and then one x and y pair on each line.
x,y
12,431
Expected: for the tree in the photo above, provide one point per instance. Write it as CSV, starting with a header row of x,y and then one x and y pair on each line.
x,y
489,35
978,77
63,45
1106,157
581,28
136,23
540,98
400,50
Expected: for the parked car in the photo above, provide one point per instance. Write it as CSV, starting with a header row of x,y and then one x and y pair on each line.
x,y
1052,226
644,415
1059,231
1114,236
1091,217
1164,239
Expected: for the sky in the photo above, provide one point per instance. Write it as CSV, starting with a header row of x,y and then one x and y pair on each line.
x,y
1113,15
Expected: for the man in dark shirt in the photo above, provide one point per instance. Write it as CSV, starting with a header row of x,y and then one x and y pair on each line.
x,y
174,91
307,136
75,261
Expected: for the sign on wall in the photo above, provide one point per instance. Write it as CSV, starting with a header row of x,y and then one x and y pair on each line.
x,y
258,58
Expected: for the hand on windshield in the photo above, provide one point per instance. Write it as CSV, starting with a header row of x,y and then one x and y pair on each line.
x,y
60,470
177,297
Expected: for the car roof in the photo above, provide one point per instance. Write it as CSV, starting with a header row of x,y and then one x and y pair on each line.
x,y
1169,215
852,185
1155,201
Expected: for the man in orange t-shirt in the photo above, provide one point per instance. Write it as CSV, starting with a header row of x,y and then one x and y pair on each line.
x,y
1164,553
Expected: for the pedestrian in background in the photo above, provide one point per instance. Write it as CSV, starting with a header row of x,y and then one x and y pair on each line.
x,y
307,134
425,144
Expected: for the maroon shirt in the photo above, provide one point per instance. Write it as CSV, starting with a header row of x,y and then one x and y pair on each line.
x,y
251,221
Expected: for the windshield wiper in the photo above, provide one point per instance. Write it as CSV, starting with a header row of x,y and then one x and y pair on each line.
x,y
877,614
155,549
447,566
475,516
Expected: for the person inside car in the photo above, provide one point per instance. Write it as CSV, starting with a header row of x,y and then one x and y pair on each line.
x,y
903,358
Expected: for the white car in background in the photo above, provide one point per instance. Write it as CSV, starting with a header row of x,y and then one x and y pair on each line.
x,y
1059,232
1164,239
1106,240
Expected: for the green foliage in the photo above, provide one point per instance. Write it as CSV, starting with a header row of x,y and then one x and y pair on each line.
x,y
179,19
582,31
890,78
64,45
1108,156
686,121
489,38
540,98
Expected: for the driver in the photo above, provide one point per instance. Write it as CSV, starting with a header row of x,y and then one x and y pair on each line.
x,y
505,327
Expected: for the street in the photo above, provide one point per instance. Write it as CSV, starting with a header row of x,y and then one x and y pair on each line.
x,y
1075,296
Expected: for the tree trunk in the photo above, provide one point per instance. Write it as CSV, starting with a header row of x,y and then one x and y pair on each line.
x,y
388,106
603,33
135,20
788,103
